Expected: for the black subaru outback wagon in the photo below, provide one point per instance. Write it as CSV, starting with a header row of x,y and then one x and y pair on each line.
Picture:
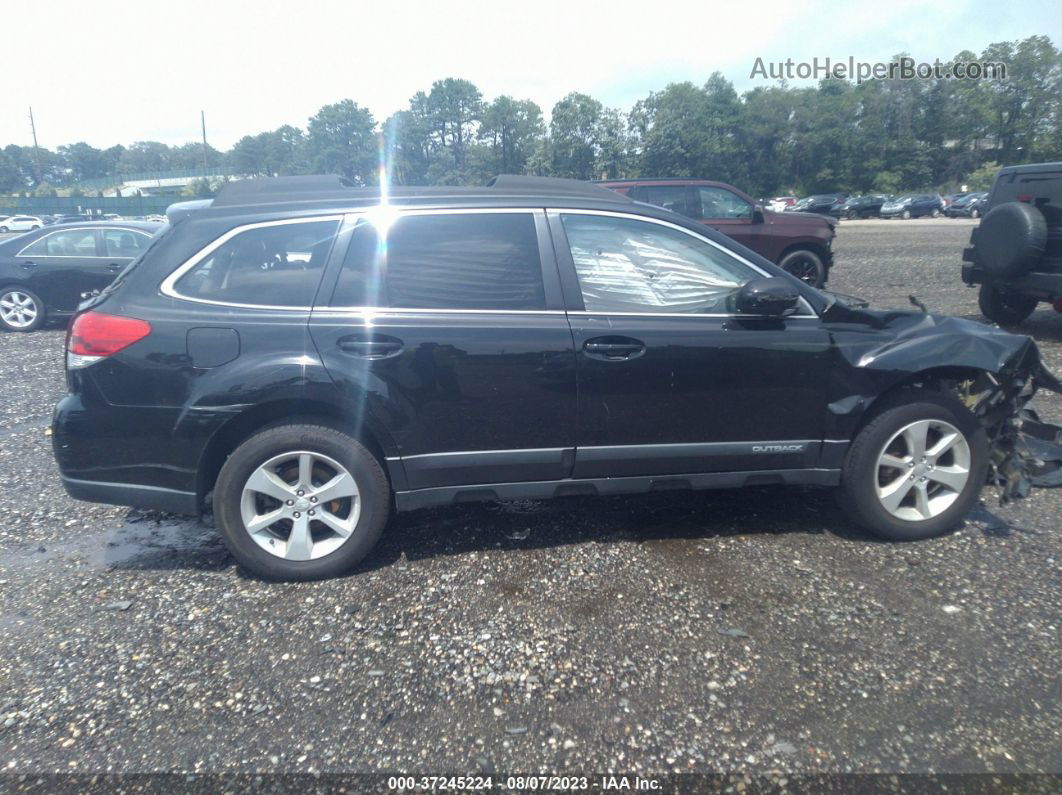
x,y
309,356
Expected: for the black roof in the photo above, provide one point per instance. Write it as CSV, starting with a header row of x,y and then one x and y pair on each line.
x,y
1031,168
331,189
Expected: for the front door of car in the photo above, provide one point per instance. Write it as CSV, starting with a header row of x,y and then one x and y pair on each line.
x,y
450,327
726,212
671,380
61,265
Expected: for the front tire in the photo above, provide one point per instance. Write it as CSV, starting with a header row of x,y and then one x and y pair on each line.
x,y
806,265
975,213
906,215
301,502
917,469
1003,307
21,309
4,230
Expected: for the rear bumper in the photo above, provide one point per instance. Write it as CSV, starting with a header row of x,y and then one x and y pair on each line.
x,y
124,455
1045,286
147,497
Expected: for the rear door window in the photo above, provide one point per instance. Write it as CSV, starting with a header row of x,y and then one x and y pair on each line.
x,y
459,261
270,265
71,243
670,197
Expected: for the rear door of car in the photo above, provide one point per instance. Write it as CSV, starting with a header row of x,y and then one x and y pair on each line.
x,y
450,326
60,266
671,381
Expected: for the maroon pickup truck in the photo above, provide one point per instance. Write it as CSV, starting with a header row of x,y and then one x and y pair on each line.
x,y
802,243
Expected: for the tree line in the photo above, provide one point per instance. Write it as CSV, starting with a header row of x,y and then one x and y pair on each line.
x,y
878,135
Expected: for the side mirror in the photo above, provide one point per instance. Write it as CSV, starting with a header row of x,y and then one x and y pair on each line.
x,y
772,297
757,214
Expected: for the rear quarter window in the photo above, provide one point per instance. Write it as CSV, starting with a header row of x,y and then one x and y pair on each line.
x,y
270,265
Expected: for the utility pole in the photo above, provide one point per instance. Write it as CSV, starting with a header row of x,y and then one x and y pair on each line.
x,y
202,119
36,149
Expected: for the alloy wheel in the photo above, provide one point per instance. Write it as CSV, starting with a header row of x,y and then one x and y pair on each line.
x,y
300,505
922,470
804,268
18,310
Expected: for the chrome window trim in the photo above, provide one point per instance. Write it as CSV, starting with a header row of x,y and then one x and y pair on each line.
x,y
167,287
345,218
348,218
71,228
691,233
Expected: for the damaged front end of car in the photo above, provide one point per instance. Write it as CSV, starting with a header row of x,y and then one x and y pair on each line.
x,y
993,372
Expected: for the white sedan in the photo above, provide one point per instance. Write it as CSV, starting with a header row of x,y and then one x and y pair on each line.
x,y
21,223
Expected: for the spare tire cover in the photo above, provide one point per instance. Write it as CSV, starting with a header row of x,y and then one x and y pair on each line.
x,y
1011,239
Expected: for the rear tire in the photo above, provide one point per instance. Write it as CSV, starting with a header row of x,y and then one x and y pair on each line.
x,y
21,309
1004,308
907,502
806,265
906,214
279,473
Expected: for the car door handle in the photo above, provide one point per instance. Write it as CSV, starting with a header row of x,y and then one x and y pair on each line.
x,y
28,265
378,348
115,266
614,349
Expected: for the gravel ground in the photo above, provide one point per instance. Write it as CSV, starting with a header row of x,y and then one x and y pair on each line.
x,y
717,631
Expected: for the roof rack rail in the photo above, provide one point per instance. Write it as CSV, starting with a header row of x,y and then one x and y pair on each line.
x,y
262,190
524,184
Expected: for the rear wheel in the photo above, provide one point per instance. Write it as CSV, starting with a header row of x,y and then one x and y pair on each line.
x,y
806,265
4,230
1004,307
935,213
21,309
916,469
906,214
301,502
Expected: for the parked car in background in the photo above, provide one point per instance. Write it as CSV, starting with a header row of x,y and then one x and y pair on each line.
x,y
821,203
969,206
779,203
46,272
1015,252
73,218
859,207
530,339
914,205
21,223
799,243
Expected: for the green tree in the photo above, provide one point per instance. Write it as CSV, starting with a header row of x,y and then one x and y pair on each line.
x,y
341,139
511,128
574,131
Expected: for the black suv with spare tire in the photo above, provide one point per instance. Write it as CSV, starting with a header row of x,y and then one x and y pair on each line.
x,y
308,357
1015,253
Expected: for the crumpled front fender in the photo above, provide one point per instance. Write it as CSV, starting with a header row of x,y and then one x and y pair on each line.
x,y
884,349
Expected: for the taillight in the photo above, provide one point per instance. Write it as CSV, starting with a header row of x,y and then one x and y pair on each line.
x,y
95,336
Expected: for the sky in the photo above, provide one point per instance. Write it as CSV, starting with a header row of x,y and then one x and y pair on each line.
x,y
109,72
